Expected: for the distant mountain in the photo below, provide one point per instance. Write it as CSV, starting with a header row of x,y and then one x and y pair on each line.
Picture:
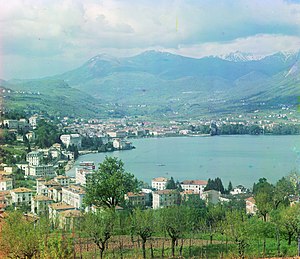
x,y
155,83
241,56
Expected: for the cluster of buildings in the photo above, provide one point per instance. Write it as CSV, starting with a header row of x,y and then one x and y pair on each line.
x,y
60,198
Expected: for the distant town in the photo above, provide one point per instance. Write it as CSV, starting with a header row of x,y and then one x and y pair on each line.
x,y
44,165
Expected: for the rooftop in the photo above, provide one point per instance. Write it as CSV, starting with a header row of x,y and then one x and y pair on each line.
x,y
71,213
160,179
61,206
131,194
160,192
22,189
194,182
251,199
75,189
41,198
62,177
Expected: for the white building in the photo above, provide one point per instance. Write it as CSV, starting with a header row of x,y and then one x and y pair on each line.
x,y
6,184
63,180
56,208
159,183
34,158
82,174
251,207
40,171
165,198
49,188
71,139
197,186
39,204
211,196
30,135
73,195
136,199
33,120
117,134
21,196
122,144
11,124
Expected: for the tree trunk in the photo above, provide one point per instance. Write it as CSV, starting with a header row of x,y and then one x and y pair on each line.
x,y
210,234
298,241
190,247
278,242
151,250
144,248
163,249
290,238
264,247
173,246
181,247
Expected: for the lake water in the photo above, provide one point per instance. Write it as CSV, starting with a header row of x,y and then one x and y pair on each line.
x,y
241,159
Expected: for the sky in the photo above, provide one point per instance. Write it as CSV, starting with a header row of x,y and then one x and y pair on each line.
x,y
46,37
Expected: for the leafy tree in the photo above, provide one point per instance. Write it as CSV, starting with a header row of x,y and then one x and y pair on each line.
x,y
283,189
143,225
238,228
19,236
170,184
290,222
173,220
229,188
107,186
215,214
215,184
99,227
263,194
47,134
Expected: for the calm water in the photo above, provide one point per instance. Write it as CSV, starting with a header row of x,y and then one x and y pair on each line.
x,y
241,159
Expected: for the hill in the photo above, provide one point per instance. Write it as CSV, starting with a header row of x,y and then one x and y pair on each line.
x,y
159,83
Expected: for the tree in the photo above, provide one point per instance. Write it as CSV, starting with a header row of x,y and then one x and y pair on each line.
x,y
238,228
229,188
173,220
143,225
263,195
283,189
109,184
46,134
19,236
170,184
215,184
290,221
99,226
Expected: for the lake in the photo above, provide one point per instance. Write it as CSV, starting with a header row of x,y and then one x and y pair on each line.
x,y
240,159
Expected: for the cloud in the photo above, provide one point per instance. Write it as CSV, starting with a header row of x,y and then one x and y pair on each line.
x,y
261,44
56,29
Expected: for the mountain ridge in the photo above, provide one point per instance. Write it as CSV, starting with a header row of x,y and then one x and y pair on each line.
x,y
163,82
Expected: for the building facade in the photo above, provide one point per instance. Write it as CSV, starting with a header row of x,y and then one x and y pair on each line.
x,y
34,158
165,198
159,183
73,195
71,139
197,186
21,196
39,204
6,183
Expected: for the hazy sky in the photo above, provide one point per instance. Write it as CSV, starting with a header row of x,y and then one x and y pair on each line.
x,y
45,37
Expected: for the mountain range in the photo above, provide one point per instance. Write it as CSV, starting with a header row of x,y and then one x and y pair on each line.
x,y
159,83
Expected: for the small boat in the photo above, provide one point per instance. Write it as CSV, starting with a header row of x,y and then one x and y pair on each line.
x,y
161,165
